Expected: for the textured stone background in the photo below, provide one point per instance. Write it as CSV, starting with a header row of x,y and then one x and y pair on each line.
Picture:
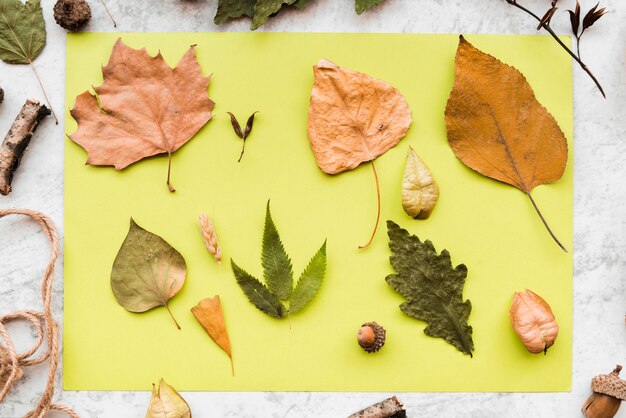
x,y
600,199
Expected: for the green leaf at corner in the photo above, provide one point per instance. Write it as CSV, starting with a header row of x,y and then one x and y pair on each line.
x,y
277,269
309,282
364,5
232,9
257,293
22,31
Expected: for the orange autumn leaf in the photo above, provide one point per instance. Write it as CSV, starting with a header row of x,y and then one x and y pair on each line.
x,y
143,108
497,127
353,118
211,316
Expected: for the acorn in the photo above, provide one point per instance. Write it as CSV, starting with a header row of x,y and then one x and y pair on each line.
x,y
608,393
371,337
72,14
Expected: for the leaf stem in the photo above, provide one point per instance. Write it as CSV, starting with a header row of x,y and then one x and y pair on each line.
x,y
169,171
378,210
56,120
243,149
545,223
547,27
109,13
172,315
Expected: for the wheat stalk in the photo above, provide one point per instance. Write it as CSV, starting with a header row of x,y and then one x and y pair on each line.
x,y
210,237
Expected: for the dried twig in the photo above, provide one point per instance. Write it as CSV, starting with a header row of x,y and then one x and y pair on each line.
x,y
17,139
109,13
544,22
389,408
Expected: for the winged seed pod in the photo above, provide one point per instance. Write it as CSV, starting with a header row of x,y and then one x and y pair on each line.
x,y
419,190
533,321
210,237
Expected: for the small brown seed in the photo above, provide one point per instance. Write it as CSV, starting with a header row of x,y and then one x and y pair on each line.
x,y
366,336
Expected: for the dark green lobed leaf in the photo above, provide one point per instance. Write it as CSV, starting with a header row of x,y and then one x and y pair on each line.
x,y
277,269
264,9
22,31
257,293
232,9
434,288
301,4
309,282
364,5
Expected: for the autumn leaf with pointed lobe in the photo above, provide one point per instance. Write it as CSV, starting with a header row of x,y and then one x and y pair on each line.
x,y
143,108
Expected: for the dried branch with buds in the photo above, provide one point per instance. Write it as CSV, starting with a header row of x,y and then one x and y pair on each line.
x,y
590,18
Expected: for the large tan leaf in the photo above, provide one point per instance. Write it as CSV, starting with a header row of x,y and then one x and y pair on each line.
x,y
166,402
147,271
145,108
497,127
353,118
210,314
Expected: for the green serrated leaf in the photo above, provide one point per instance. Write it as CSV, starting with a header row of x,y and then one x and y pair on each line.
x,y
257,293
277,269
309,282
433,288
264,9
364,5
22,31
233,9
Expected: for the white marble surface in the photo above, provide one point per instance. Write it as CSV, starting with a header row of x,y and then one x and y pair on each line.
x,y
600,199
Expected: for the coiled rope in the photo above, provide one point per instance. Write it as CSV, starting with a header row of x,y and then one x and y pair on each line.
x,y
11,362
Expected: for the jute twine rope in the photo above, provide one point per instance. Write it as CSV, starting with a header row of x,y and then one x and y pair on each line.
x,y
11,362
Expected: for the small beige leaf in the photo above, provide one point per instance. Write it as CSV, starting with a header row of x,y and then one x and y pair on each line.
x,y
419,190
166,402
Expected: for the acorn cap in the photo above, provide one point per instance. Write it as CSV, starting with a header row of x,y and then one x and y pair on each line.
x,y
610,384
369,344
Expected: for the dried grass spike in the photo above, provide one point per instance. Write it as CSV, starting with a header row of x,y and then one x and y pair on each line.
x,y
210,237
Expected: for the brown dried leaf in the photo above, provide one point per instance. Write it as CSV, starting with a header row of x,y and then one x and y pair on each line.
x,y
533,321
143,108
353,118
497,127
211,316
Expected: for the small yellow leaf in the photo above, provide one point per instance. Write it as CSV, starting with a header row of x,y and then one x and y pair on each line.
x,y
419,190
166,402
